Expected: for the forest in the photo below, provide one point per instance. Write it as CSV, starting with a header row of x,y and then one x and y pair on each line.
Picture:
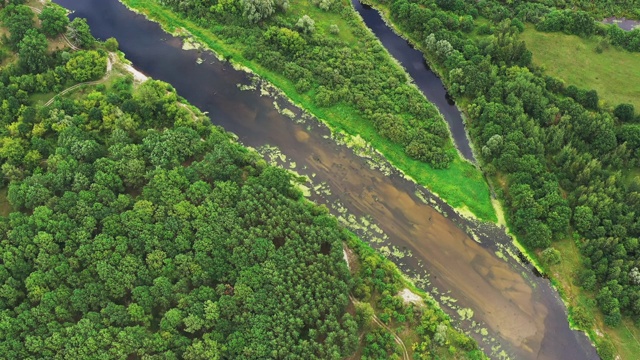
x,y
137,229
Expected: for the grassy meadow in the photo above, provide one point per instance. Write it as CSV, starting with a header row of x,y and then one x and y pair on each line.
x,y
614,73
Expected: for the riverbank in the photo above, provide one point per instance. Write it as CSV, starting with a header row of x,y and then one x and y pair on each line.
x,y
475,199
362,261
580,303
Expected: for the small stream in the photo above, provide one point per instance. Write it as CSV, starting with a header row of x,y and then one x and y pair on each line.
x,y
623,23
466,266
427,81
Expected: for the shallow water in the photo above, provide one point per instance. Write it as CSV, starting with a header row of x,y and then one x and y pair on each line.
x,y
623,23
519,312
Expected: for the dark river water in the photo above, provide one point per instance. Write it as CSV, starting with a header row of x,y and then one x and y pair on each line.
x,y
426,80
489,294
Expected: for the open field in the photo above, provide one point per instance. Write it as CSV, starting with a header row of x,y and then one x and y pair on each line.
x,y
614,73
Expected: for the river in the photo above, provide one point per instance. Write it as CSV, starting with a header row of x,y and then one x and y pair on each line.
x,y
514,311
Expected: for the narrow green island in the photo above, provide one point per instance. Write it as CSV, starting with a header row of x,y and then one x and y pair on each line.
x,y
132,228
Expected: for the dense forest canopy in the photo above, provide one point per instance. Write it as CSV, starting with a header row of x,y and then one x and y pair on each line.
x,y
144,231
137,229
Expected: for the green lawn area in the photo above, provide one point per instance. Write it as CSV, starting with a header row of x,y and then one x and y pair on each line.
x,y
614,73
462,185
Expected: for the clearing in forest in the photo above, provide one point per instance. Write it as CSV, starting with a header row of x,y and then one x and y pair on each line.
x,y
614,73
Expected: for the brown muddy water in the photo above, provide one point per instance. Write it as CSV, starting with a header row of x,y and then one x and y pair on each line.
x,y
490,294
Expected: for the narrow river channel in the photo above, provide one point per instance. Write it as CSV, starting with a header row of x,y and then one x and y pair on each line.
x,y
511,310
427,81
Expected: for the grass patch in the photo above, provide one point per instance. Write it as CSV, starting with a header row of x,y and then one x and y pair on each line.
x,y
446,183
614,73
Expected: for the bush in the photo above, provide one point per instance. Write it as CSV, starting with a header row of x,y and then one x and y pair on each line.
x,y
624,112
485,29
111,44
606,350
581,317
551,256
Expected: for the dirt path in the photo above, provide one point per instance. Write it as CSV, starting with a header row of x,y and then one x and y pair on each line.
x,y
405,353
69,43
110,61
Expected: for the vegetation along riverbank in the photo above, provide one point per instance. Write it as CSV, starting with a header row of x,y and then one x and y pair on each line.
x,y
565,163
337,70
132,227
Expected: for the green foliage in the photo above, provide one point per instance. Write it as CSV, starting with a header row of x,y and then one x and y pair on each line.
x,y
606,350
625,112
257,10
54,20
286,40
551,256
87,65
581,317
306,24
18,19
380,344
32,50
80,34
111,44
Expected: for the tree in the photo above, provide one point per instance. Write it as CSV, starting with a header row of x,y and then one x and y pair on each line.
x,y
18,19
624,112
257,10
54,20
306,24
80,34
86,65
32,51
551,256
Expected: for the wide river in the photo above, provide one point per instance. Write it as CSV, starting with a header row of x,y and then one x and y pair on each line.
x,y
511,310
